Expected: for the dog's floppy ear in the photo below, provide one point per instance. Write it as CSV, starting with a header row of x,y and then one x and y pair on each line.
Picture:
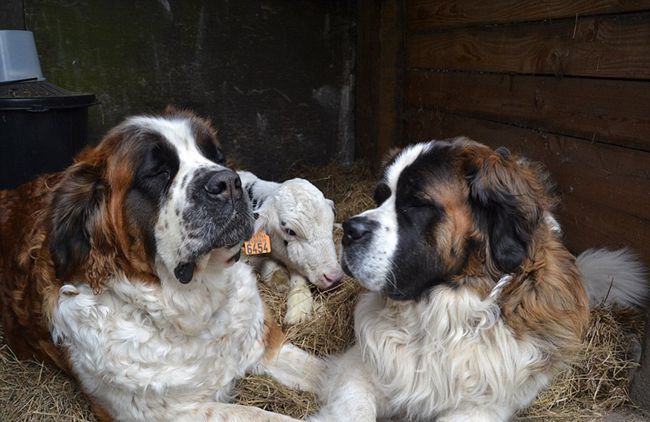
x,y
505,204
76,234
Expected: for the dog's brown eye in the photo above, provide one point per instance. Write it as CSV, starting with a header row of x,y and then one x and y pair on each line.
x,y
290,232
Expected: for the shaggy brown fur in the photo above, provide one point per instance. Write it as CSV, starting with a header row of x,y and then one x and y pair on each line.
x,y
546,299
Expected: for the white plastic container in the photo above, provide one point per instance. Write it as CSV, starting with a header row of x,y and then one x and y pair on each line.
x,y
18,56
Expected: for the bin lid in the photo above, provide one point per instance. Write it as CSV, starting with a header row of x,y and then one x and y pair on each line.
x,y
40,96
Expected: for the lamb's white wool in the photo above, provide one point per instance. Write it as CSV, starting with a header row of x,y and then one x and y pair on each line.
x,y
300,222
614,277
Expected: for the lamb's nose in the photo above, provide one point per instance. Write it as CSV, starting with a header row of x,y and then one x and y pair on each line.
x,y
331,279
224,185
334,277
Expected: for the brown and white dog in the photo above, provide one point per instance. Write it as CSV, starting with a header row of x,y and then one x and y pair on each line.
x,y
122,270
474,302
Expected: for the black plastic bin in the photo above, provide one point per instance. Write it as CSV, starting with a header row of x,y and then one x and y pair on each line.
x,y
42,127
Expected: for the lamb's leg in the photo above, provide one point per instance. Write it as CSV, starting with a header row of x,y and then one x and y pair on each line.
x,y
267,269
299,300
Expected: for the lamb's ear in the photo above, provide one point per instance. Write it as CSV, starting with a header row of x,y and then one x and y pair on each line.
x,y
505,206
260,221
76,207
266,217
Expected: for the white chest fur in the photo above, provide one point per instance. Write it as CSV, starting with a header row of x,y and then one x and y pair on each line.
x,y
151,352
449,354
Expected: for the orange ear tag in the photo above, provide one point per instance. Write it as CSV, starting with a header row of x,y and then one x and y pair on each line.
x,y
259,244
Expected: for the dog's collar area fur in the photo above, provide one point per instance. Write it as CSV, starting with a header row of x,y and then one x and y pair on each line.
x,y
498,288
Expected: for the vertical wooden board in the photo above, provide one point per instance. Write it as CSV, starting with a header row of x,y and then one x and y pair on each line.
x,y
382,74
604,190
612,111
640,387
434,14
391,75
366,92
604,46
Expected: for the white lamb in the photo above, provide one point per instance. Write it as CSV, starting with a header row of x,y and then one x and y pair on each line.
x,y
300,221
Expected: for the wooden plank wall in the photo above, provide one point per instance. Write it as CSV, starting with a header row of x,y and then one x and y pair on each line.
x,y
563,82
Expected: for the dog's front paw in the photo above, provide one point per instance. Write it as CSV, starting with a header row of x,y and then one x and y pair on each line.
x,y
299,304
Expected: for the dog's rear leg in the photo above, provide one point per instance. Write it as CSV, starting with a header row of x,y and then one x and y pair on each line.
x,y
225,412
347,392
100,413
475,415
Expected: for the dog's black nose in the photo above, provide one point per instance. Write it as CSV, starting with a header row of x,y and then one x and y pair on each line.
x,y
355,229
224,185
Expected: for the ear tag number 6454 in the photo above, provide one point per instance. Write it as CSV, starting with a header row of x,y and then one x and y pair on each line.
x,y
259,244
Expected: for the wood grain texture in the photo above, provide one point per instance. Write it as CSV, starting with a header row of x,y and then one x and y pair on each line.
x,y
606,46
366,94
391,64
436,14
640,385
611,111
380,77
605,190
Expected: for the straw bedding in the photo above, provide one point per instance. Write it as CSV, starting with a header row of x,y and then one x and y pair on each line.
x,y
594,384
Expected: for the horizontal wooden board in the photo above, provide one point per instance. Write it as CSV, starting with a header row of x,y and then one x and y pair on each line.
x,y
606,46
611,111
436,14
605,190
586,224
